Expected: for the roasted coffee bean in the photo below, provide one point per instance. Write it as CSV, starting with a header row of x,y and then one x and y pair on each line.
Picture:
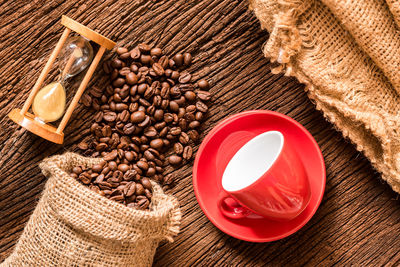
x,y
118,82
194,135
123,167
190,96
135,53
144,48
199,116
129,129
97,168
185,77
201,106
174,160
178,59
203,84
111,156
138,116
175,131
156,52
109,116
175,75
116,63
204,95
184,138
143,165
178,148
187,59
173,106
83,145
124,71
131,78
99,116
145,122
157,144
163,61
121,50
139,189
191,109
77,170
194,124
86,100
158,69
187,153
146,59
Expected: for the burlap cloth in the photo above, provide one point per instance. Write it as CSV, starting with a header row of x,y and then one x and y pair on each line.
x,y
348,55
74,226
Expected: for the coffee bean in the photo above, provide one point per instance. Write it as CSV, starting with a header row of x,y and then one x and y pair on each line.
x,y
178,148
174,160
157,144
143,165
194,124
175,131
97,168
163,61
116,63
204,95
199,116
185,77
187,153
135,53
121,50
190,96
146,59
175,75
158,69
201,106
144,48
118,82
123,167
146,183
187,59
194,135
138,116
131,78
173,106
124,71
130,189
83,145
184,138
139,189
77,170
156,52
111,156
178,59
109,116
203,84
86,100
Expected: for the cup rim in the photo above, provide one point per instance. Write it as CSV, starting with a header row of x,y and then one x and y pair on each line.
x,y
250,142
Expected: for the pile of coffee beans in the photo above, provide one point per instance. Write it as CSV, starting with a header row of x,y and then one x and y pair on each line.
x,y
147,118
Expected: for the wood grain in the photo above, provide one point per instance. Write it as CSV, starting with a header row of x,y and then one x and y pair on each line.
x,y
359,219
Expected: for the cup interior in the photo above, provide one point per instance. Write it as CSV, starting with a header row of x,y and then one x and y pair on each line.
x,y
252,160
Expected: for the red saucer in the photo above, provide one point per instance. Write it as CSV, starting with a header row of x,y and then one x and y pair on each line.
x,y
224,141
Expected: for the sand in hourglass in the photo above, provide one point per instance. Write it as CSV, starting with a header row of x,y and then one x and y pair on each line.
x,y
49,103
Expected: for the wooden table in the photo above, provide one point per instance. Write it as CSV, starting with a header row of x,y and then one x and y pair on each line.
x,y
358,221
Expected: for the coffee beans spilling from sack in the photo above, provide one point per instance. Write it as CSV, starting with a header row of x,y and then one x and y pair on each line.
x,y
148,118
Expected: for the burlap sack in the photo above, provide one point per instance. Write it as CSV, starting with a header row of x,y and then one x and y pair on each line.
x,y
74,226
343,61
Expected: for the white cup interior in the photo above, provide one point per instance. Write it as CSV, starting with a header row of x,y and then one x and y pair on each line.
x,y
252,160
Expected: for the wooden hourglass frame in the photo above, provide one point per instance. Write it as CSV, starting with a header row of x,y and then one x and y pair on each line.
x,y
45,130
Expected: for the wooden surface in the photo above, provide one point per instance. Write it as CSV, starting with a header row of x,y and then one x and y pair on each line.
x,y
358,221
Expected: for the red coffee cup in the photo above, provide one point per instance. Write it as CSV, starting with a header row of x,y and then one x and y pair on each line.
x,y
265,177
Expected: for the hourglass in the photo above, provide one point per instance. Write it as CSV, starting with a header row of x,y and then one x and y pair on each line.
x,y
48,102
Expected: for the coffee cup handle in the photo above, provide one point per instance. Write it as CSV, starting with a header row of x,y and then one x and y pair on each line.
x,y
230,208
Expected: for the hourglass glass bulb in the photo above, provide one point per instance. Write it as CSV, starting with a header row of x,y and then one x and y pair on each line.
x,y
49,103
77,55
